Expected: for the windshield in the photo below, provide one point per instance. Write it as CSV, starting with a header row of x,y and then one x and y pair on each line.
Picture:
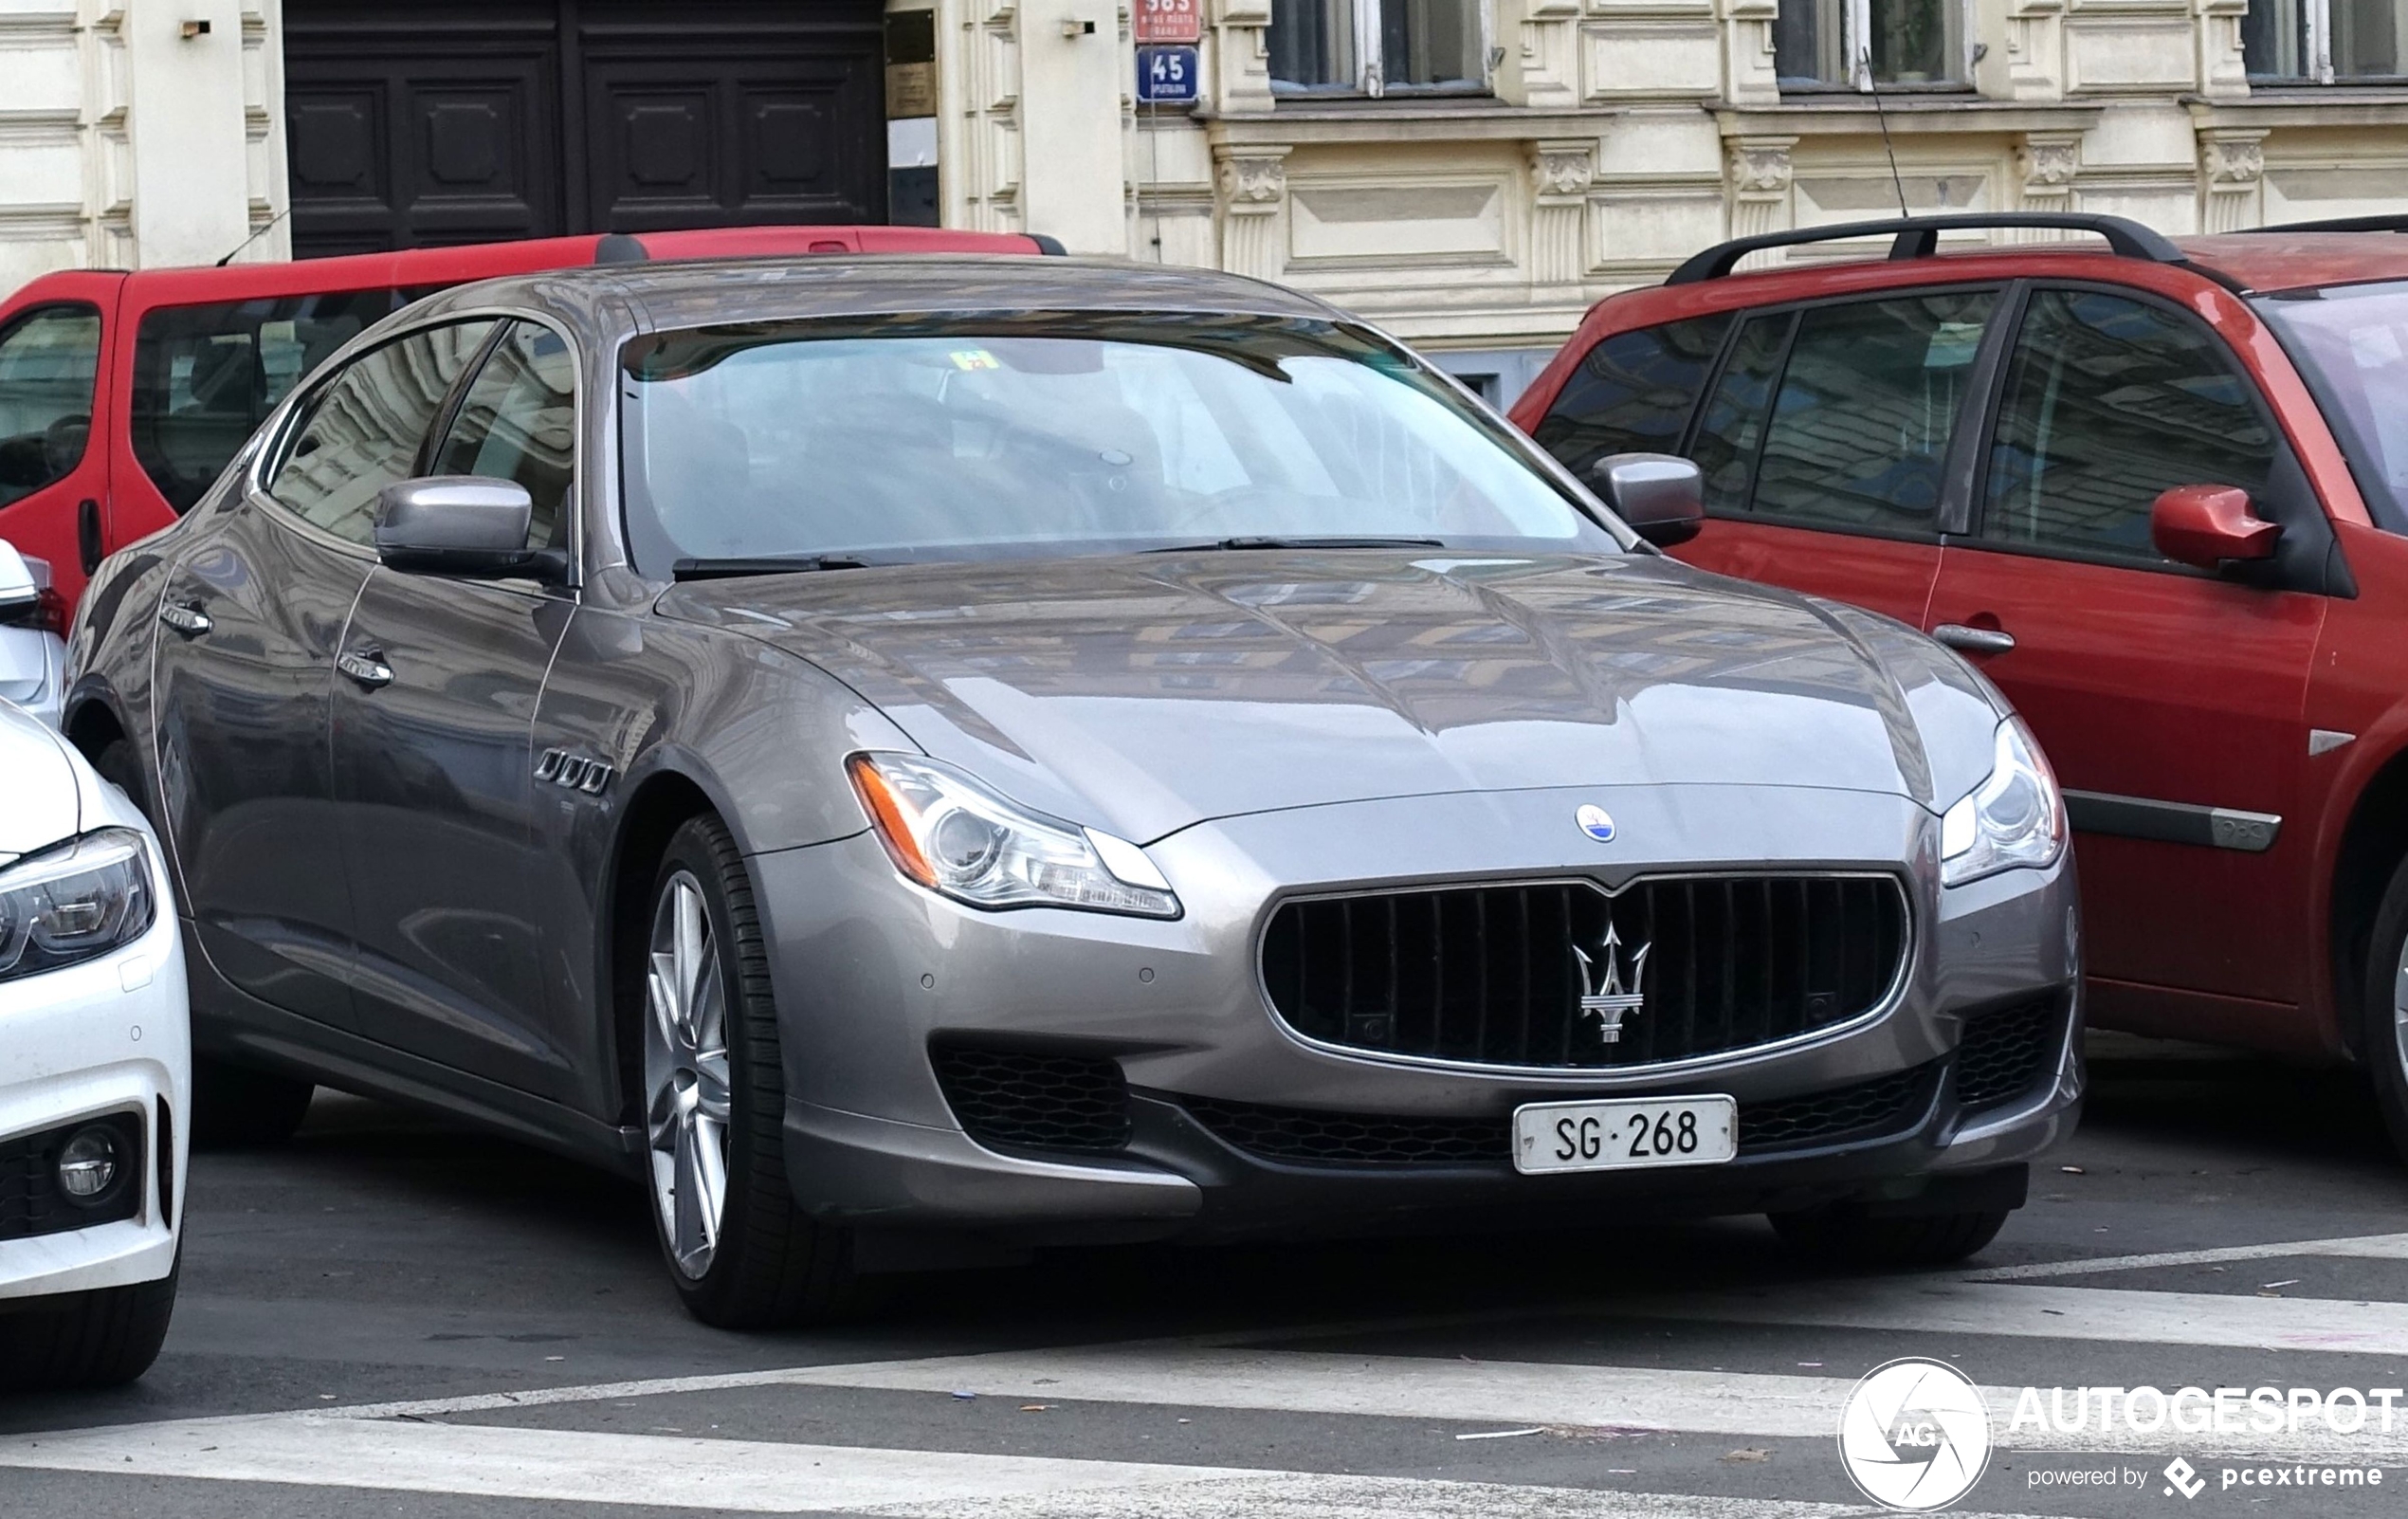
x,y
958,438
2352,341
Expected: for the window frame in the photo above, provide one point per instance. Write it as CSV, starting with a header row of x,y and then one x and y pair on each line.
x,y
18,323
1974,409
1370,82
2316,47
1856,46
446,417
2307,553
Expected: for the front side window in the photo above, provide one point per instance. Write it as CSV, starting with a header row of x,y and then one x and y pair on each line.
x,y
50,361
936,438
517,422
1377,46
205,376
1867,403
2352,341
2325,41
365,426
2109,402
1838,43
1733,425
1632,393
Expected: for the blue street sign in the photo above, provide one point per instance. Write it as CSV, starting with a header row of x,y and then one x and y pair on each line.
x,y
1166,76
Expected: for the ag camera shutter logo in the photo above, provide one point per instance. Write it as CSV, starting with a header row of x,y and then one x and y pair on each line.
x,y
1914,1435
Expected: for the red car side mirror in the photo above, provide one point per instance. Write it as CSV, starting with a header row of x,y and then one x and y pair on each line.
x,y
2209,525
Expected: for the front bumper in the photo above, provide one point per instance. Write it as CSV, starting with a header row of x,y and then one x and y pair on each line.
x,y
111,1037
872,974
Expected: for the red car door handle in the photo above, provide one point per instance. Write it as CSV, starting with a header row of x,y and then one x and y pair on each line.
x,y
1974,640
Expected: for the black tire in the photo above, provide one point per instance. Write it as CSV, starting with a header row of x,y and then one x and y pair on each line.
x,y
242,1107
2383,1034
1842,1234
772,1266
97,1339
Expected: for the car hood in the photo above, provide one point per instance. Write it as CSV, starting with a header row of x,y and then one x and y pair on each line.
x,y
45,795
1148,692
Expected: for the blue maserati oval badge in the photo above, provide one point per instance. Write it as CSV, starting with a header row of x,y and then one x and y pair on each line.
x,y
1594,823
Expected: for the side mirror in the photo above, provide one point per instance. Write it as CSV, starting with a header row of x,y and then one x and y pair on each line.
x,y
2210,526
21,584
460,524
1661,495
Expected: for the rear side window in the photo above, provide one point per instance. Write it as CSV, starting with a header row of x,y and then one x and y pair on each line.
x,y
48,359
366,426
205,376
1633,392
2109,403
1867,403
518,422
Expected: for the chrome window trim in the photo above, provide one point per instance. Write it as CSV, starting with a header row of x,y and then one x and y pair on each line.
x,y
1909,950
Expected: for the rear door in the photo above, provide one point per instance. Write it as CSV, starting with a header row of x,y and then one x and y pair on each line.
x,y
54,410
1825,444
2170,701
435,778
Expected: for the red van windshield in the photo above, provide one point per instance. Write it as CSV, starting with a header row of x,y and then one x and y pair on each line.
x,y
2352,339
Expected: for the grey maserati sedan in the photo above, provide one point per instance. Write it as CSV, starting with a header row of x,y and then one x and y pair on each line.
x,y
920,760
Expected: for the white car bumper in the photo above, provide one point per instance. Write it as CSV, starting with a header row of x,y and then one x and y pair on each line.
x,y
109,1037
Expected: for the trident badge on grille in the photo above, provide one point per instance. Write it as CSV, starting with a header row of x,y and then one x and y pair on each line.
x,y
1605,995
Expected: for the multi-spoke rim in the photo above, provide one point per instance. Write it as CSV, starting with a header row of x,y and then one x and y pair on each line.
x,y
685,1074
2399,1012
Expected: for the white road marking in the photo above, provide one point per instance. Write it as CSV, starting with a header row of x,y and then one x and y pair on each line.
x,y
2095,1313
754,1476
2363,1247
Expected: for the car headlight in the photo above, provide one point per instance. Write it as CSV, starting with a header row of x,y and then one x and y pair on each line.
x,y
952,834
74,903
2013,820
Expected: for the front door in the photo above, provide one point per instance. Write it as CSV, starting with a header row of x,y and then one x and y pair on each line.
x,y
252,621
54,401
2168,700
435,778
418,124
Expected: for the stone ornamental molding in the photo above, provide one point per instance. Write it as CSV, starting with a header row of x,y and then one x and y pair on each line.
x,y
2047,165
1562,167
1760,178
2234,162
2232,170
1253,191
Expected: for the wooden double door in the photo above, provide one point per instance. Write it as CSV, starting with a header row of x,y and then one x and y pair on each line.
x,y
422,122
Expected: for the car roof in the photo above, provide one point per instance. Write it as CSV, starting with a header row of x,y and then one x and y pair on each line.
x,y
2277,259
706,293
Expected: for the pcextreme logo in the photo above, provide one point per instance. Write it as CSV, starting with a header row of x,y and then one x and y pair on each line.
x,y
1914,1435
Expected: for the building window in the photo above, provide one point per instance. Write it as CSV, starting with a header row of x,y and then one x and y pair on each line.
x,y
1837,43
1378,46
2321,41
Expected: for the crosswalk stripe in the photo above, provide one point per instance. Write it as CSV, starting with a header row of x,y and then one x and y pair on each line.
x,y
2361,1247
754,1476
2199,1319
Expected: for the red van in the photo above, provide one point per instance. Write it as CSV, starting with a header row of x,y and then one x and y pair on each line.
x,y
2158,491
122,396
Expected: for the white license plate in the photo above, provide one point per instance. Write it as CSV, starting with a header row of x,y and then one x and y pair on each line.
x,y
1624,1135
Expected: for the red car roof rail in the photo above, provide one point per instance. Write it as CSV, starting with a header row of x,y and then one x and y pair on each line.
x,y
1917,237
2391,223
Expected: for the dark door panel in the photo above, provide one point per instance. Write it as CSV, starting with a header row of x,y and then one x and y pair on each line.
x,y
418,124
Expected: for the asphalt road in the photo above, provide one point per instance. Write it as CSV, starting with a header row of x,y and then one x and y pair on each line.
x,y
401,1317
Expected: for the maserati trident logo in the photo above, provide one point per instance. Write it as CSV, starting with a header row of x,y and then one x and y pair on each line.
x,y
1604,993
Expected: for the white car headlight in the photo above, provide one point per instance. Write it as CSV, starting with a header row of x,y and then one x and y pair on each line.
x,y
952,834
74,903
2013,820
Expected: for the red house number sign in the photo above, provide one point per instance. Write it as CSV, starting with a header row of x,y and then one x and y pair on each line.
x,y
1167,21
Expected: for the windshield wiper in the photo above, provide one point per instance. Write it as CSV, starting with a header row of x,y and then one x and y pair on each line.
x,y
792,564
1242,544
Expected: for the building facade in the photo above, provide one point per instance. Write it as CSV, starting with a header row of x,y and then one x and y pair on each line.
x,y
1473,173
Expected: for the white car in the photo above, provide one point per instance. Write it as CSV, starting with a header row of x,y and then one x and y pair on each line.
x,y
95,1071
33,657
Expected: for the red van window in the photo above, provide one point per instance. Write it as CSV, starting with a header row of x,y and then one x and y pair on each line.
x,y
205,376
1633,392
49,359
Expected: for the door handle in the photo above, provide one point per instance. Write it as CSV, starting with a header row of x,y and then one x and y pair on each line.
x,y
188,620
369,668
1974,640
88,536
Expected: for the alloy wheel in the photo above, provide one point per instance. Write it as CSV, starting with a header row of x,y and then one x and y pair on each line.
x,y
685,1080
2400,1015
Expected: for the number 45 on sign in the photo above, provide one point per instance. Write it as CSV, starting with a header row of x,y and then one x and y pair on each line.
x,y
1166,76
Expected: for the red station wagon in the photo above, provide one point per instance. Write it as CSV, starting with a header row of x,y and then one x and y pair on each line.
x,y
171,370
2156,491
